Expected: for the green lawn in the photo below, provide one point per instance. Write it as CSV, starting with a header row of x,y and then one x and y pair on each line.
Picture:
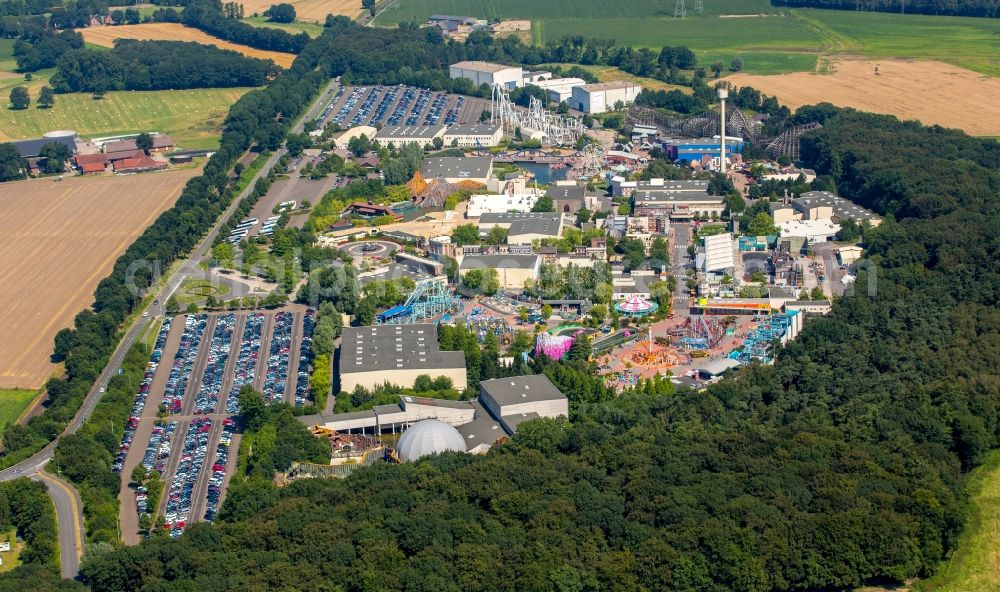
x,y
975,565
198,290
13,403
192,117
313,29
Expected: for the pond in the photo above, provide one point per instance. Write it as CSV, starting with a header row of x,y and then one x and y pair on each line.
x,y
543,174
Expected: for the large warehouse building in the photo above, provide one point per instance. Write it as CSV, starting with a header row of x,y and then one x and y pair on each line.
x,y
695,150
509,77
397,354
512,270
559,89
433,426
400,135
473,135
602,96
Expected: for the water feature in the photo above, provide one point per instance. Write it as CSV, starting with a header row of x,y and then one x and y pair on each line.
x,y
543,174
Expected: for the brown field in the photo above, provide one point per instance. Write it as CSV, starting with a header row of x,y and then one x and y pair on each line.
x,y
175,32
931,92
308,10
57,241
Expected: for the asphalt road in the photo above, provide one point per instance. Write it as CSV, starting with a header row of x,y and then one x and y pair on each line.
x,y
63,494
68,512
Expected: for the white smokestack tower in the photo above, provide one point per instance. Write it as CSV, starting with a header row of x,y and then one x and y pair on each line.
x,y
723,95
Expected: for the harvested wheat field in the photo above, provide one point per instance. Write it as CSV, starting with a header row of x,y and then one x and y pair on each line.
x,y
58,239
175,32
931,92
308,10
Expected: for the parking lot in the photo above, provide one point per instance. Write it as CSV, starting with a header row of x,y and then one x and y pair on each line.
x,y
197,367
399,105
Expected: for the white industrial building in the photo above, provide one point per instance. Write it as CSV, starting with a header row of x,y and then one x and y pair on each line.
x,y
814,231
473,135
499,204
559,89
434,426
479,73
602,96
512,270
719,253
397,354
400,135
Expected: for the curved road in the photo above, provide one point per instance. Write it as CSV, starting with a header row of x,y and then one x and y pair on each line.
x,y
69,517
69,510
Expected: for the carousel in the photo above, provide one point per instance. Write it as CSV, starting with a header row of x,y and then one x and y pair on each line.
x,y
636,306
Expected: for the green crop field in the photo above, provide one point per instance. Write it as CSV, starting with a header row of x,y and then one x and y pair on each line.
x,y
193,117
13,403
313,29
770,40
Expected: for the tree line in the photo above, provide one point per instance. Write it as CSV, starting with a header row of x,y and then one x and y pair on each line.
x,y
158,65
207,15
983,8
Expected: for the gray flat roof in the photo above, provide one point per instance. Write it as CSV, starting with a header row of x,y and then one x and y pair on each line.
x,y
504,217
457,167
515,419
546,226
521,389
428,401
481,430
674,184
412,132
483,66
472,129
668,196
395,347
30,148
843,209
499,261
566,192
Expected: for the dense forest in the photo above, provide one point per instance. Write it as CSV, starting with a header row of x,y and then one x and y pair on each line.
x,y
158,65
985,8
824,471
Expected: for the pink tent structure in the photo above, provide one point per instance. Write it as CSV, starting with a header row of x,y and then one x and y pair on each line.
x,y
636,306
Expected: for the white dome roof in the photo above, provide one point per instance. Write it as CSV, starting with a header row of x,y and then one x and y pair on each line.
x,y
429,436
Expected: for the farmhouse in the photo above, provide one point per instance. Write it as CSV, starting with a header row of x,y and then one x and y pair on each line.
x,y
91,164
602,96
450,23
400,135
32,148
117,148
454,169
138,163
397,354
473,135
509,77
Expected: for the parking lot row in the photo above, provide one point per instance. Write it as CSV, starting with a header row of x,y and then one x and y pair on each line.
x,y
394,105
180,494
207,397
184,361
141,395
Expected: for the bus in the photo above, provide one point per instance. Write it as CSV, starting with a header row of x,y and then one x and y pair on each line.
x,y
247,223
